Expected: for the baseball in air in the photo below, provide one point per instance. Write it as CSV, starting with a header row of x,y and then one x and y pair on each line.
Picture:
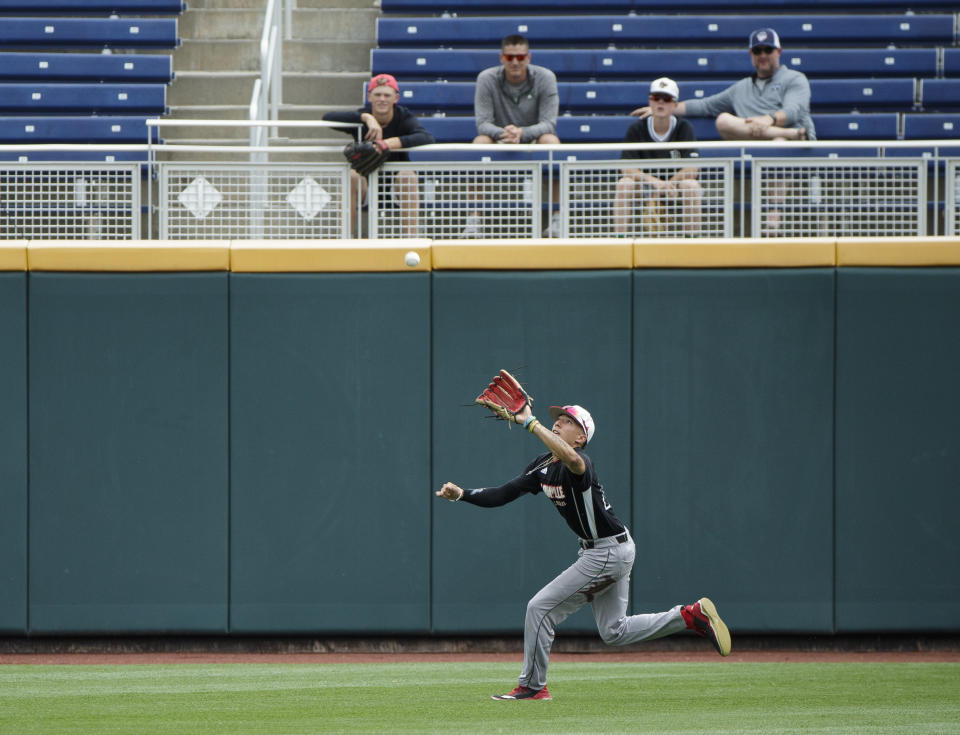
x,y
411,259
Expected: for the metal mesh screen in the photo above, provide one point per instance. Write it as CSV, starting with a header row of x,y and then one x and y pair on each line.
x,y
952,195
446,201
253,201
52,202
648,199
825,197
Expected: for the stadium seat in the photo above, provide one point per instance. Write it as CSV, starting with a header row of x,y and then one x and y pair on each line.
x,y
54,67
940,94
77,129
83,98
81,7
89,32
678,30
586,64
929,126
833,95
951,62
872,126
466,7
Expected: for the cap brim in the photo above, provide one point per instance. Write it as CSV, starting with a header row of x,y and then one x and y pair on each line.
x,y
558,411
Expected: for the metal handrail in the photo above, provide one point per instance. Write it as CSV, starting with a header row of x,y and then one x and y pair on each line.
x,y
267,93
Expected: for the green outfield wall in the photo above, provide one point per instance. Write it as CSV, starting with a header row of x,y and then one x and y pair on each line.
x,y
245,438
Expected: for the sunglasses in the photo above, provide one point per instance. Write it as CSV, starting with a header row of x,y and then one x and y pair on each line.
x,y
514,57
661,98
757,50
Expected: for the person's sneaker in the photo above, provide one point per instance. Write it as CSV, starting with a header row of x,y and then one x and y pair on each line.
x,y
553,229
524,693
702,617
472,227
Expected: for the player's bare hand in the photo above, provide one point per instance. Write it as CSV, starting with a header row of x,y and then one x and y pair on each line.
x,y
642,112
449,491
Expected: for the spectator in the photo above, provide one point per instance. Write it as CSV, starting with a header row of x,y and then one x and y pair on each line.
x,y
383,119
773,103
681,190
516,102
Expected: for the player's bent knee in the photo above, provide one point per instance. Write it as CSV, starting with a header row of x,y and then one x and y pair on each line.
x,y
613,635
483,139
548,139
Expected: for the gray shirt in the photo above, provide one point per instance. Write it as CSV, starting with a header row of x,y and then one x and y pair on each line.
x,y
533,106
786,90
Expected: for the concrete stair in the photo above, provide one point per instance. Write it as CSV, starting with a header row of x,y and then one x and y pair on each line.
x,y
325,66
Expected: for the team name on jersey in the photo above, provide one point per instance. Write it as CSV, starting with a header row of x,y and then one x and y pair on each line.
x,y
555,493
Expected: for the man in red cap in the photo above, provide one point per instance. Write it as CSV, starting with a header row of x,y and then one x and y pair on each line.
x,y
384,120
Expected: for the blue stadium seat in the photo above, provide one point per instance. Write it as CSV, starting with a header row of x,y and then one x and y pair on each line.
x,y
44,156
929,126
81,7
83,98
466,7
410,64
940,94
451,129
51,129
694,30
89,32
54,67
951,62
871,126
620,97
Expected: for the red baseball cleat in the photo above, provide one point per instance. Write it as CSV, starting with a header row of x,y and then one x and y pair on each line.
x,y
524,693
702,617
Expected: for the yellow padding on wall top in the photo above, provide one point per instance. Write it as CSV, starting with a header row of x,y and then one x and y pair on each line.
x,y
13,258
533,255
810,252
900,251
128,255
334,256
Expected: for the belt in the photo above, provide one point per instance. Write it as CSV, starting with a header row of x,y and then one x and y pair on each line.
x,y
590,543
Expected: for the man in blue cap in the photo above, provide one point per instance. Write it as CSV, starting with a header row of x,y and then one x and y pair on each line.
x,y
773,103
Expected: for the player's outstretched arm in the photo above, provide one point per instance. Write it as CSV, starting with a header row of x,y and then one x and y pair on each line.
x,y
559,447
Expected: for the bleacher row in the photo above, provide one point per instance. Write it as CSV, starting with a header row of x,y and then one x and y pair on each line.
x,y
84,71
873,75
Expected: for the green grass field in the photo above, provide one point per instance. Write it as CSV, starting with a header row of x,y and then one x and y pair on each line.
x,y
723,697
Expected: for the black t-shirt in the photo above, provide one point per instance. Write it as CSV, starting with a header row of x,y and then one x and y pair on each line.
x,y
404,125
639,132
578,498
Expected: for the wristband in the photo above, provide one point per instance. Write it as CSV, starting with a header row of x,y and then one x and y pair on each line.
x,y
531,423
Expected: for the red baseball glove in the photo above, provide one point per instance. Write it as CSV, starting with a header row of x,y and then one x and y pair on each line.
x,y
505,397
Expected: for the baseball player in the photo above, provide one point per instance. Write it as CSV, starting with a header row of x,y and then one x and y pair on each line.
x,y
601,574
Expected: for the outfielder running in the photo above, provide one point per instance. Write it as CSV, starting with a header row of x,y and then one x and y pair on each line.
x,y
601,574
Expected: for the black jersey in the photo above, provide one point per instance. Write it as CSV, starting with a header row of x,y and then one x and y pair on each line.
x,y
578,498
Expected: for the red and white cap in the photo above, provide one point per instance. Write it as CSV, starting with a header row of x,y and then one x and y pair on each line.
x,y
577,413
380,80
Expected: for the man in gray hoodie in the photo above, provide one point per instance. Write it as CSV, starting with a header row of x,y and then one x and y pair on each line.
x,y
773,103
516,102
